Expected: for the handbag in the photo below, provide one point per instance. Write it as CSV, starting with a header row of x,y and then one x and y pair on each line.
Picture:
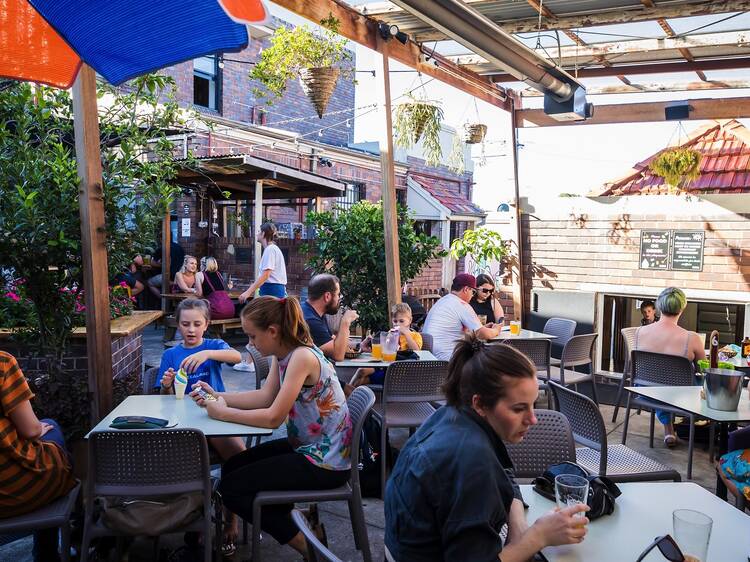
x,y
602,491
219,302
153,516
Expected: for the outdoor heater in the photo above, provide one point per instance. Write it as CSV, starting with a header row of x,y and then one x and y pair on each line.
x,y
564,96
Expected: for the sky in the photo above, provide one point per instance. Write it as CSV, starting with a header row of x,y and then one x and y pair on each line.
x,y
552,160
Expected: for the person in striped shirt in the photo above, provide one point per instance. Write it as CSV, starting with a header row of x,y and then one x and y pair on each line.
x,y
34,466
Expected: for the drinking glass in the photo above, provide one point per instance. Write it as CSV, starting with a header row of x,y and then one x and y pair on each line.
x,y
571,490
482,319
390,345
230,283
515,327
377,346
692,532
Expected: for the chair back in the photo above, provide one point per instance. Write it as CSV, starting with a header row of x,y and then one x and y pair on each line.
x,y
316,550
628,339
578,351
548,442
262,365
427,341
538,351
585,420
659,369
414,381
560,327
360,404
148,381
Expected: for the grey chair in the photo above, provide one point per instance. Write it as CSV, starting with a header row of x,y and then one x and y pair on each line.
x,y
548,442
149,381
538,351
144,464
618,462
578,352
55,515
360,403
408,390
316,550
563,329
261,363
427,341
628,338
660,369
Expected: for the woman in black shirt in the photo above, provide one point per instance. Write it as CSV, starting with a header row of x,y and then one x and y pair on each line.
x,y
484,302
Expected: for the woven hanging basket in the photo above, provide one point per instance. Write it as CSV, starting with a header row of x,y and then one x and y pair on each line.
x,y
419,121
474,133
318,85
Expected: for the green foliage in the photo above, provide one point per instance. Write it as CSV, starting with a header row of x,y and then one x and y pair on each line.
x,y
483,246
456,160
350,244
678,166
419,119
292,50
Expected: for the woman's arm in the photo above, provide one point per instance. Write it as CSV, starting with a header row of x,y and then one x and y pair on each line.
x,y
517,524
25,421
497,308
199,283
696,344
254,399
262,278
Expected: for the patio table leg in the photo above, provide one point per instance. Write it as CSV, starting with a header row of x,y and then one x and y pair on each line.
x,y
721,489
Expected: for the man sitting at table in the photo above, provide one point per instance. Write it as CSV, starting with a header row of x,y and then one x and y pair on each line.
x,y
323,296
452,316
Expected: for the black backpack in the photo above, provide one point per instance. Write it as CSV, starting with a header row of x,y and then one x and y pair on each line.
x,y
371,457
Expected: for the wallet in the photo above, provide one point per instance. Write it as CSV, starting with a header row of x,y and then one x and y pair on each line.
x,y
138,422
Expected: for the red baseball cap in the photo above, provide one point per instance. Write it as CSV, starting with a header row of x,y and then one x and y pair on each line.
x,y
464,280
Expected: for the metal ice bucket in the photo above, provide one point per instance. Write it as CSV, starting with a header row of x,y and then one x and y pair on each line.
x,y
723,388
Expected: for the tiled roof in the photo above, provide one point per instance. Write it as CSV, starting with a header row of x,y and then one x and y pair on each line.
x,y
452,200
725,166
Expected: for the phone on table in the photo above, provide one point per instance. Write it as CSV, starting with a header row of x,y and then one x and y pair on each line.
x,y
203,394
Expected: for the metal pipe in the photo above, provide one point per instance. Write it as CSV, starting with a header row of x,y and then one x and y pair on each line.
x,y
478,33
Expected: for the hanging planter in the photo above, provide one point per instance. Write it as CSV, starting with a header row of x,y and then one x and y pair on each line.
x,y
420,119
678,166
474,133
318,85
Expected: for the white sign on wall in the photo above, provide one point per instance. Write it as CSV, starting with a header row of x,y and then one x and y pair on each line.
x,y
185,231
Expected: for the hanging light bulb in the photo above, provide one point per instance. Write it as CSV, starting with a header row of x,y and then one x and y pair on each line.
x,y
320,133
348,123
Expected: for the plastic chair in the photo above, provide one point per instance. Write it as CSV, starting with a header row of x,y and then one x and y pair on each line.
x,y
578,352
360,403
563,329
149,381
660,369
538,351
316,550
628,338
408,389
619,463
427,341
55,515
548,442
146,464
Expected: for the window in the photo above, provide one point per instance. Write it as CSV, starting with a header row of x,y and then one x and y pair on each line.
x,y
206,82
354,192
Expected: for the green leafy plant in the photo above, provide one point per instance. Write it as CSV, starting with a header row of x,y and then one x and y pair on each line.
x,y
456,161
485,247
419,118
293,50
350,243
678,166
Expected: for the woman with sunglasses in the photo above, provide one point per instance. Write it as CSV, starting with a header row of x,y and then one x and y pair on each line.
x,y
484,302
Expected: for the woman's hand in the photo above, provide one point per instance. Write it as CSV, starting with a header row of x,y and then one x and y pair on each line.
x,y
216,408
168,378
561,526
45,428
192,362
244,296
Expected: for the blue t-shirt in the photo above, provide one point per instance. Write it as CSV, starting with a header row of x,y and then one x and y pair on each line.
x,y
319,330
209,372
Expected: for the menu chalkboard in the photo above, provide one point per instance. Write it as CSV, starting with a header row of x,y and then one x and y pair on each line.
x,y
687,250
654,249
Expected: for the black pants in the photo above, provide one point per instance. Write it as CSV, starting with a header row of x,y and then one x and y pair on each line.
x,y
273,466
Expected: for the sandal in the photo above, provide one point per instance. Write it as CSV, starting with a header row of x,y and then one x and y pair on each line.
x,y
228,548
670,441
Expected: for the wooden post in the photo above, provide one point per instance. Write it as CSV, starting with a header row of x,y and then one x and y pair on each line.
x,y
390,218
519,290
258,221
166,261
93,242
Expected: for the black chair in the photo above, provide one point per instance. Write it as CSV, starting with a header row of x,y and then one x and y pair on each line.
x,y
548,442
578,352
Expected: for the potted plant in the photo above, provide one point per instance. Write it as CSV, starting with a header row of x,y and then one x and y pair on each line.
x,y
317,57
419,118
474,133
678,166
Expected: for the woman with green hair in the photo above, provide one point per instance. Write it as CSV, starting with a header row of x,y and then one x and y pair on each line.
x,y
666,336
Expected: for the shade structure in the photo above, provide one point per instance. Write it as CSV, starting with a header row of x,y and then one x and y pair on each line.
x,y
46,41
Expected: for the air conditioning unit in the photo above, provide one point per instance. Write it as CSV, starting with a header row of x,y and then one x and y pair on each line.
x,y
574,108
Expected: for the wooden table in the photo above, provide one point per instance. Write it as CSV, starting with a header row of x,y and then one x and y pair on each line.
x,y
234,295
183,413
642,512
366,360
523,335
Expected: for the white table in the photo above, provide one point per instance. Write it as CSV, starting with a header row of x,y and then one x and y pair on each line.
x,y
366,360
523,335
643,512
185,413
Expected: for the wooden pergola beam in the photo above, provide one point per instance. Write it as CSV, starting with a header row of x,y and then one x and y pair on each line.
x,y
700,109
363,30
636,88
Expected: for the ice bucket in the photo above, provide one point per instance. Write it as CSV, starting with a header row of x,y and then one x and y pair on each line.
x,y
723,388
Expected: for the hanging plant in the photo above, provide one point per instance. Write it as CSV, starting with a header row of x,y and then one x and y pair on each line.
x,y
417,119
678,166
474,133
317,57
456,161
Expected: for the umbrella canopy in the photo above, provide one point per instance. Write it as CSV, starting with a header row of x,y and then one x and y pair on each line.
x,y
46,41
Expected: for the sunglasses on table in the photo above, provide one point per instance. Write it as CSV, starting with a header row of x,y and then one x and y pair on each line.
x,y
668,548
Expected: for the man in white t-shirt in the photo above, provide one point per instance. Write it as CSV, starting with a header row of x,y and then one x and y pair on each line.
x,y
452,316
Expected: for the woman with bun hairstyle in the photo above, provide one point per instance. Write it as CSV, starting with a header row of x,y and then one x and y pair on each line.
x,y
452,489
271,280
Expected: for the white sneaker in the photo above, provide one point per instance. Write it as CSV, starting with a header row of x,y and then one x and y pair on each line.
x,y
244,366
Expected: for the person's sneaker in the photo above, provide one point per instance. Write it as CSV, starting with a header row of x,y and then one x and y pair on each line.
x,y
244,366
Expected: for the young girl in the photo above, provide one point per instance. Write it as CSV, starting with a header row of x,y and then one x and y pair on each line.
x,y
185,279
201,358
302,389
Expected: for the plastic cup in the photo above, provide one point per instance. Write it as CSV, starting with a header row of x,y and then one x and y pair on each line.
x,y
571,490
515,327
692,533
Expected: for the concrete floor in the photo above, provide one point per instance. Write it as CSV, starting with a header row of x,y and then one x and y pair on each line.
x,y
335,515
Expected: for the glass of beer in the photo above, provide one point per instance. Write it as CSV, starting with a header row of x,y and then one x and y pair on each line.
x,y
377,347
482,319
515,327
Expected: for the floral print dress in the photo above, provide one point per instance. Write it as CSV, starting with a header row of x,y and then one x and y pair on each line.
x,y
318,425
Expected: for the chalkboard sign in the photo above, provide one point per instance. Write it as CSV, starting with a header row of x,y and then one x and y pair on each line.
x,y
654,249
687,250
243,255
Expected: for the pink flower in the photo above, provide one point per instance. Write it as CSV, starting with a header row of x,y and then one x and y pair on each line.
x,y
123,284
314,429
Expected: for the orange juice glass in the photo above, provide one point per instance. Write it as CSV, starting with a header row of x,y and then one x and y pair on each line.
x,y
389,356
515,327
377,351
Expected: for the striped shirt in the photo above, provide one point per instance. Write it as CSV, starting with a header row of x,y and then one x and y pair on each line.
x,y
32,472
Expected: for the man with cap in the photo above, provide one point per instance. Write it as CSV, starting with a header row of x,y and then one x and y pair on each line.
x,y
452,316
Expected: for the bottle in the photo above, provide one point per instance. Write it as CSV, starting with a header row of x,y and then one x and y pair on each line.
x,y
714,350
746,347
